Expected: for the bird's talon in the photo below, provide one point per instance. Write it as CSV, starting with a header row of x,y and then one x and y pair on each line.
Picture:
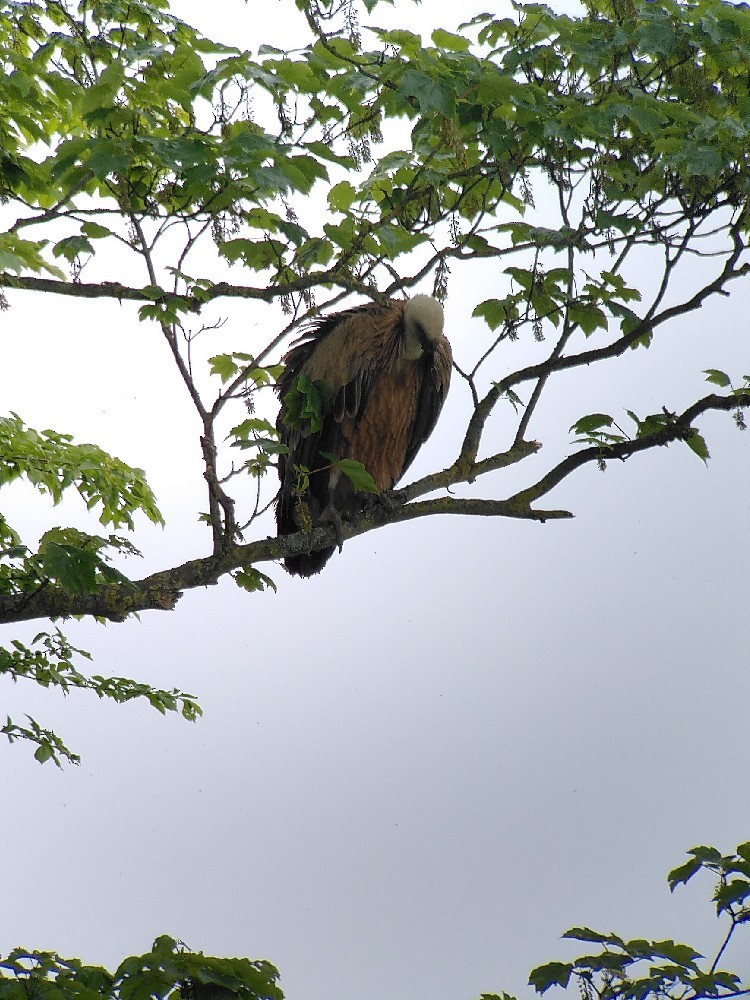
x,y
331,516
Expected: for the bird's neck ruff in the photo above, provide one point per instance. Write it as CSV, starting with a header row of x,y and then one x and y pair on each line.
x,y
411,345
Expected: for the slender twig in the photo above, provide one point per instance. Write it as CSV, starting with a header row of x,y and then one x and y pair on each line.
x,y
730,271
723,947
678,428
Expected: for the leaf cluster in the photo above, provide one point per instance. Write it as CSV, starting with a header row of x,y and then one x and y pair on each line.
x,y
169,970
638,969
52,463
732,895
123,126
306,404
49,662
620,969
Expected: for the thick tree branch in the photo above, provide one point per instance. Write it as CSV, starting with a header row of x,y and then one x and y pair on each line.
x,y
162,590
116,290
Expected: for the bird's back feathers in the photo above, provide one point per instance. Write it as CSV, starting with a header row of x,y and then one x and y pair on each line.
x,y
381,407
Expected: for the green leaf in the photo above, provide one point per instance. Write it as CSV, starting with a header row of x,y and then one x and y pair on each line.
x,y
71,247
73,568
326,153
224,366
251,426
706,855
697,444
107,157
683,873
430,95
11,262
305,404
298,74
355,472
702,162
732,893
714,985
447,40
681,954
629,321
591,422
717,377
513,398
492,311
586,934
405,40
44,752
341,196
102,93
551,974
314,251
253,580
17,254
523,275
94,231
588,316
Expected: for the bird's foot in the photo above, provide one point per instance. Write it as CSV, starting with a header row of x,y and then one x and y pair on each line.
x,y
329,515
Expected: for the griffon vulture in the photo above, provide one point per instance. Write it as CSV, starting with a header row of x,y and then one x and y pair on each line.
x,y
383,373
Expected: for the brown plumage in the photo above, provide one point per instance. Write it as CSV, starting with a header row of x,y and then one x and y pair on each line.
x,y
385,371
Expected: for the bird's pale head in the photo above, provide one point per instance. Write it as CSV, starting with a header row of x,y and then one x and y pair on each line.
x,y
426,313
423,326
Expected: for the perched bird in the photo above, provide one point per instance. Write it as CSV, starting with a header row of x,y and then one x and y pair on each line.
x,y
380,375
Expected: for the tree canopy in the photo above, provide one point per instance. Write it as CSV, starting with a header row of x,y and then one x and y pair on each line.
x,y
143,163
556,150
614,968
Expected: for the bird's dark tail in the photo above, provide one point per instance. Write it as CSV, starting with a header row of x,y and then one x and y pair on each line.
x,y
310,564
288,523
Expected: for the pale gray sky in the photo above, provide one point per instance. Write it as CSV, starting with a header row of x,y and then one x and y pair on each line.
x,y
415,771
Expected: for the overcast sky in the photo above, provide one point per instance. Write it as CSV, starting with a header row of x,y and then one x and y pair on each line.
x,y
415,771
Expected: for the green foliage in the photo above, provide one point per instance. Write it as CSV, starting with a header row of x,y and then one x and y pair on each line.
x,y
260,438
20,255
591,431
72,559
732,895
306,403
52,463
123,126
252,580
161,160
717,377
615,969
49,662
355,472
665,970
77,562
49,746
169,970
505,96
